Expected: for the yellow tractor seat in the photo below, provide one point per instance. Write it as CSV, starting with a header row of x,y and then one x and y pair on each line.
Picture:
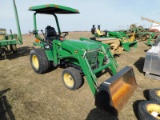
x,y
98,32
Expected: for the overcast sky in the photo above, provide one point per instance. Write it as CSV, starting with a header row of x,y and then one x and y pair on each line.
x,y
110,14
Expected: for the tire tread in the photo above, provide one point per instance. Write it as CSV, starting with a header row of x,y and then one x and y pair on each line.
x,y
76,76
44,64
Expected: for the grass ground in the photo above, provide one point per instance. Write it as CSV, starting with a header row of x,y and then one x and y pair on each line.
x,y
26,95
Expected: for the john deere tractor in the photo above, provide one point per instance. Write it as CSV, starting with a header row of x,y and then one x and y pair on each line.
x,y
81,58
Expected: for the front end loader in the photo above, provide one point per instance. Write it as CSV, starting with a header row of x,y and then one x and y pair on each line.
x,y
80,58
114,92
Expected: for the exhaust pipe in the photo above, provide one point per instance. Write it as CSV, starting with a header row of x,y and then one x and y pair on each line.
x,y
113,93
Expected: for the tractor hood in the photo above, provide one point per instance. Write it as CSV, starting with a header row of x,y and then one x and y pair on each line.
x,y
81,44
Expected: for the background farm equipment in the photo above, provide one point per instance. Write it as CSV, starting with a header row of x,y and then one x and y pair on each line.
x,y
80,58
11,40
142,34
152,61
139,32
155,27
152,37
125,41
151,65
114,44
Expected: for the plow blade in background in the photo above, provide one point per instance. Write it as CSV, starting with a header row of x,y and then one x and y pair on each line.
x,y
114,92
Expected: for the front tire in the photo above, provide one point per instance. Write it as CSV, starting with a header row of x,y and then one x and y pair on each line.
x,y
72,78
39,61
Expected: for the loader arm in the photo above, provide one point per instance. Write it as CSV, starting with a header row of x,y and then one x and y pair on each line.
x,y
114,92
90,74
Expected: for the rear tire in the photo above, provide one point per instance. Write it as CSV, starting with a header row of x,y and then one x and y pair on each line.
x,y
146,109
132,26
140,27
13,48
72,78
39,61
154,95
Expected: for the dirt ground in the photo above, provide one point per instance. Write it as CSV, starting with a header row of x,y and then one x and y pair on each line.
x,y
26,95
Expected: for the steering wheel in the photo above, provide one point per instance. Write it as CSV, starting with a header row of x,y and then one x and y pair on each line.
x,y
65,34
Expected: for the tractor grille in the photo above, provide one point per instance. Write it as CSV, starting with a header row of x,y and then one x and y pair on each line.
x,y
92,57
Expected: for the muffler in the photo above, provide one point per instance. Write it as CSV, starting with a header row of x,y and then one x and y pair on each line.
x,y
114,92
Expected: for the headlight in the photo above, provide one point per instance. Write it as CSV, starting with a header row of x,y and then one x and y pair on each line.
x,y
47,46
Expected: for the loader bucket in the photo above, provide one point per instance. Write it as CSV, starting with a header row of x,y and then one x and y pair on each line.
x,y
113,93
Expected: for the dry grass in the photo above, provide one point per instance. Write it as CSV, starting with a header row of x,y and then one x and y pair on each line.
x,y
43,97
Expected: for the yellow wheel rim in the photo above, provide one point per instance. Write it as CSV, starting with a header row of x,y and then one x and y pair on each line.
x,y
154,108
68,80
158,92
35,61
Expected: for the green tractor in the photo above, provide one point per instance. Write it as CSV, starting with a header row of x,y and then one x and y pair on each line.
x,y
81,58
10,40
